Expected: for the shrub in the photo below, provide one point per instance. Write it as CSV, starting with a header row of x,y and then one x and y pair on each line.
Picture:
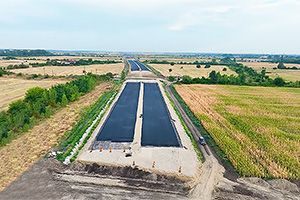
x,y
171,78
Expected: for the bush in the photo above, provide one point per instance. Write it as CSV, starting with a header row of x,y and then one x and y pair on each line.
x,y
224,69
279,81
186,79
171,78
207,66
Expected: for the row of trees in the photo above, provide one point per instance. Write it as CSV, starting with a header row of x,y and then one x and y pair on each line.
x,y
245,76
21,53
20,66
40,103
282,66
241,79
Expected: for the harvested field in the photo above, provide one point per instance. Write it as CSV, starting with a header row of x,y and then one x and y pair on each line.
x,y
288,75
257,127
14,88
115,68
5,63
191,70
20,154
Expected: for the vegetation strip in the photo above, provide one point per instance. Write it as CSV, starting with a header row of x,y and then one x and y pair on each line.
x,y
199,155
152,69
71,139
81,142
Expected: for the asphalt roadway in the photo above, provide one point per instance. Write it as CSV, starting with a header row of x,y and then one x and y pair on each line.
x,y
137,66
142,66
120,123
157,129
133,65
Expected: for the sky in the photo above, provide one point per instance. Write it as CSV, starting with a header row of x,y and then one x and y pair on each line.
x,y
202,26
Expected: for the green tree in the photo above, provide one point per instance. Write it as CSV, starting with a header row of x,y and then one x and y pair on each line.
x,y
186,79
198,66
64,100
170,70
34,94
213,77
171,78
224,69
123,75
279,81
281,66
207,66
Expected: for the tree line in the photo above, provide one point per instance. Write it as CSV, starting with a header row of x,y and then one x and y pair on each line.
x,y
40,103
25,52
245,76
57,62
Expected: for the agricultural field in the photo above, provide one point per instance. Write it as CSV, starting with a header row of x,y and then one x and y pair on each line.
x,y
14,88
257,127
191,70
115,68
288,75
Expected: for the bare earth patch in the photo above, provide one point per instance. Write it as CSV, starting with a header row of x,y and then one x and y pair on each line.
x,y
19,155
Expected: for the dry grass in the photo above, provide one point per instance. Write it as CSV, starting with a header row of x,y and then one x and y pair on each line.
x,y
289,75
14,88
190,70
257,127
115,68
20,154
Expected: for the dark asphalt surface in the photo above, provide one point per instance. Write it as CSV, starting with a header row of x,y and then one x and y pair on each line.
x,y
142,66
119,125
134,66
157,129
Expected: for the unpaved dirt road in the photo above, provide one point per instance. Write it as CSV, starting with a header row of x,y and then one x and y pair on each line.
x,y
50,179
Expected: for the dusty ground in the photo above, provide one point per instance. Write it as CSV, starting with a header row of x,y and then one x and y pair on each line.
x,y
14,88
115,68
20,154
190,70
167,159
50,179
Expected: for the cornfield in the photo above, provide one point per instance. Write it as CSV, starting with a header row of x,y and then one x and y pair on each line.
x,y
258,128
